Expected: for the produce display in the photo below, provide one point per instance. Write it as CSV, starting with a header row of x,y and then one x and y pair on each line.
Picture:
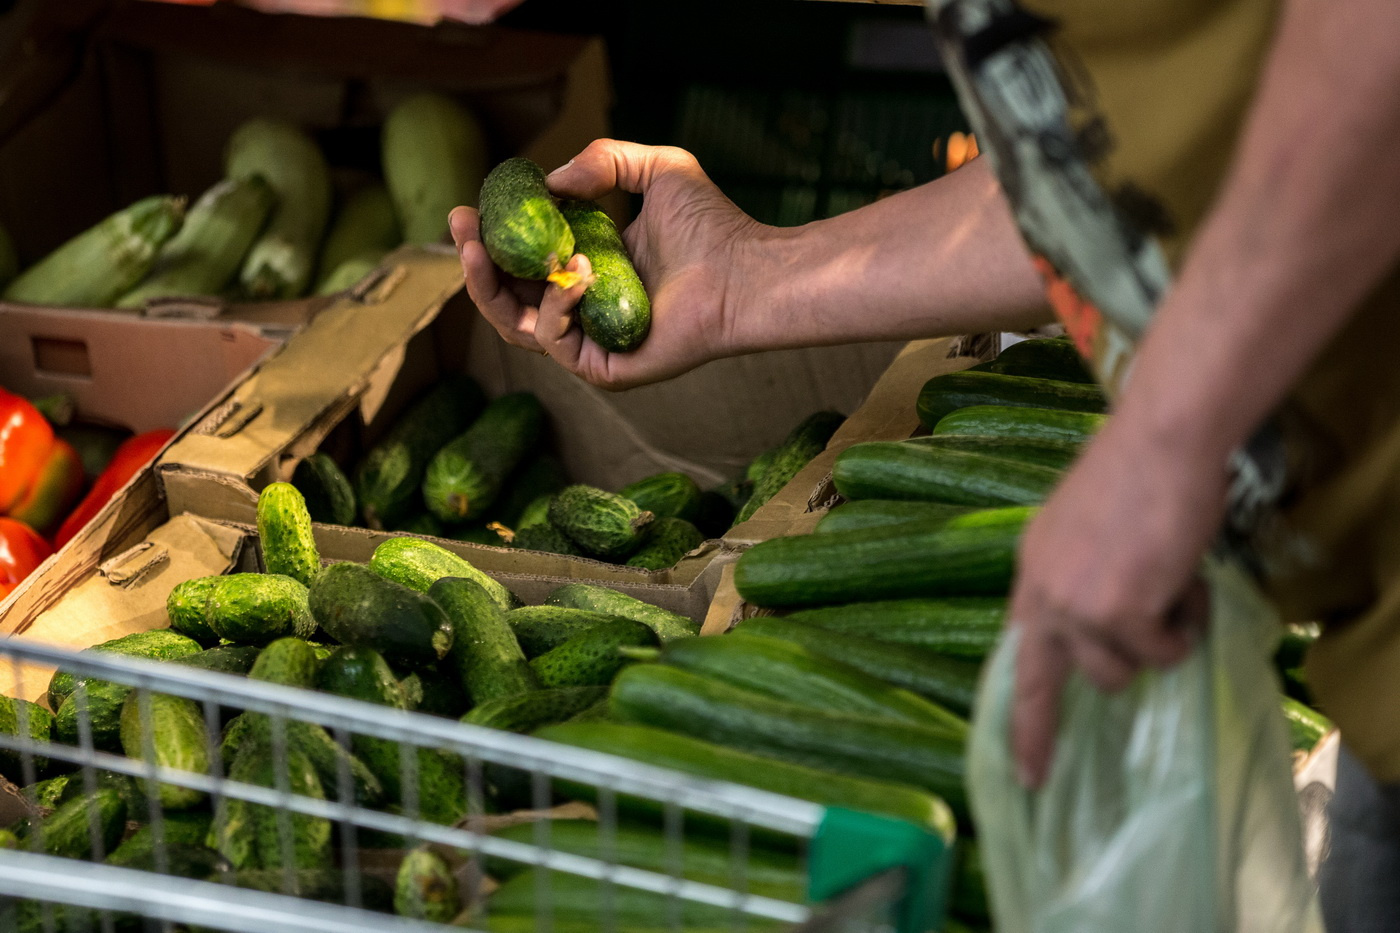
x,y
456,465
56,475
267,230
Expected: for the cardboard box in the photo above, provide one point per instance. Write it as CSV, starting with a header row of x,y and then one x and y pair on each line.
x,y
889,414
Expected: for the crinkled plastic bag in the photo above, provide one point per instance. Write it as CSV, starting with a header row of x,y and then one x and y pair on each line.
x,y
1169,807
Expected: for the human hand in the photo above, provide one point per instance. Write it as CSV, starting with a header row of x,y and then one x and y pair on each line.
x,y
1106,581
690,245
478,11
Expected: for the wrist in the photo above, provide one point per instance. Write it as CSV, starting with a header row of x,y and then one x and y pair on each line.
x,y
758,294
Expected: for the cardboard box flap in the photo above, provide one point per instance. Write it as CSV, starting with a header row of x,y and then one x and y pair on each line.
x,y
127,593
321,370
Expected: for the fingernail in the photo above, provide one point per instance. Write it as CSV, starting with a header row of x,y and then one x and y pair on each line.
x,y
457,222
562,167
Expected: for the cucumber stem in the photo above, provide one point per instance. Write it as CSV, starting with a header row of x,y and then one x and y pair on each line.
x,y
507,534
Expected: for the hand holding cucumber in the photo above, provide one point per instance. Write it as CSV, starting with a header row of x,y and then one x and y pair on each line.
x,y
685,245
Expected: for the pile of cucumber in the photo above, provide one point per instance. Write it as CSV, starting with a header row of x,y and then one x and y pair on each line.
x,y
265,231
457,466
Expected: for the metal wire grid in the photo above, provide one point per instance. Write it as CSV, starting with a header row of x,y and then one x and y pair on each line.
x,y
167,900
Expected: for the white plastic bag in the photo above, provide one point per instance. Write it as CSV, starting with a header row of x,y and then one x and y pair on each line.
x,y
1169,807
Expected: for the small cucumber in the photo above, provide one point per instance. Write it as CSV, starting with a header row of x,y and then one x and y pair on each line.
x,y
68,831
21,717
521,226
357,606
667,540
154,645
968,626
544,537
541,628
225,659
330,499
594,656
1041,358
667,625
257,608
284,529
419,564
486,655
898,470
104,710
465,477
188,609
291,662
665,495
251,835
667,698
422,523
178,739
877,513
797,450
185,828
602,523
537,480
526,712
425,888
615,312
388,481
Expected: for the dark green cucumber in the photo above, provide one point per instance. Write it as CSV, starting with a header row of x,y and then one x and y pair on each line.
x,y
284,530
667,625
541,628
667,540
602,523
526,712
439,692
877,513
1306,726
104,701
784,670
329,759
330,499
521,226
717,762
897,470
388,482
177,829
754,470
593,657
891,562
363,674
419,564
225,659
948,681
1055,455
952,391
45,794
1041,358
968,626
615,312
1075,427
357,606
425,888
21,717
715,514
257,608
536,513
465,477
1294,645
543,536
485,654
476,533
541,477
768,872
188,609
154,645
291,662
314,884
806,441
172,730
665,495
713,711
251,835
68,831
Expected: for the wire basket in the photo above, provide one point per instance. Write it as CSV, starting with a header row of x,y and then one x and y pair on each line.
x,y
324,859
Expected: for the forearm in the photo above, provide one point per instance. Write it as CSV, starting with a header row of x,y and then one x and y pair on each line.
x,y
944,258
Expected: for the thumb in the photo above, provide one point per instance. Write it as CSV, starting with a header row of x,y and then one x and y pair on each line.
x,y
609,164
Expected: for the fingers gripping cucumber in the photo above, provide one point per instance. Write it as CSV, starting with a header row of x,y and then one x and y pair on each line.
x,y
615,311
